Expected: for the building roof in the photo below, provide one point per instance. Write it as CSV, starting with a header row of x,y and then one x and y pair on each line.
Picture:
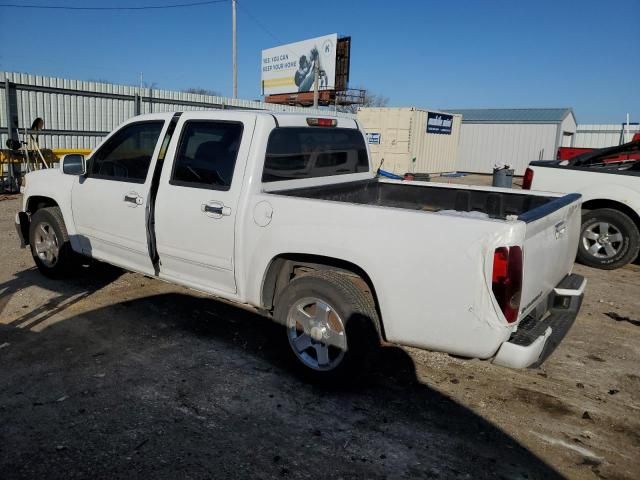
x,y
512,115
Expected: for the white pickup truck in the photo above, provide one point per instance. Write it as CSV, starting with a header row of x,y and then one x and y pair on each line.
x,y
609,182
283,212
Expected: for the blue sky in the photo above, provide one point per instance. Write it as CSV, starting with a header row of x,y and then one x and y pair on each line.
x,y
582,54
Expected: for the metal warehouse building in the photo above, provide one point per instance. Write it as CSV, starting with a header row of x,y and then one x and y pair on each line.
x,y
513,136
79,114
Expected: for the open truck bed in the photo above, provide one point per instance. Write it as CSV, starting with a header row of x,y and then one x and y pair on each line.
x,y
498,204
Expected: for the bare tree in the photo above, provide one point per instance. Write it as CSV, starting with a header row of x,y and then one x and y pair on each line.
x,y
201,91
371,99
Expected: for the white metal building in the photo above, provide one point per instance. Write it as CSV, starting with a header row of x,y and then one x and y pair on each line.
x,y
412,140
602,136
513,136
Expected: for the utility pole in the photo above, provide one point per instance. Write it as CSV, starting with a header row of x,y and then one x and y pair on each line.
x,y
315,85
235,49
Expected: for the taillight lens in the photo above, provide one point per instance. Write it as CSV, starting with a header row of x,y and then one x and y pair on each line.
x,y
507,280
528,179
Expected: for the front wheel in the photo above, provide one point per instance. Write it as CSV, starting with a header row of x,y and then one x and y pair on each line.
x,y
331,325
49,243
609,239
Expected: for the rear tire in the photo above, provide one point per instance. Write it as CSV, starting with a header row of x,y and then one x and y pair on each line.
x,y
49,241
331,326
609,239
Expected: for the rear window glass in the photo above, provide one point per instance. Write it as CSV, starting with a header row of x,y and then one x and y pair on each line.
x,y
307,152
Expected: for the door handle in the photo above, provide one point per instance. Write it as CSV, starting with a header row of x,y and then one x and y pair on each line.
x,y
215,209
133,198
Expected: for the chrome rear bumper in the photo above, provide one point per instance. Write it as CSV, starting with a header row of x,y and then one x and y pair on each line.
x,y
536,338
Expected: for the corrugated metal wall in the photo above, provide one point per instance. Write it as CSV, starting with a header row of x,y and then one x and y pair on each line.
x,y
79,113
483,145
403,137
602,135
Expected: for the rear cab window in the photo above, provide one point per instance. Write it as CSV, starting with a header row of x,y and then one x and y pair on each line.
x,y
308,152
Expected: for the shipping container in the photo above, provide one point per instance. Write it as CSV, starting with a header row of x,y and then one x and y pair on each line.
x,y
411,140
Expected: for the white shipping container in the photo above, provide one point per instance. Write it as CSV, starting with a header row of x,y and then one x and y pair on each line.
x,y
400,140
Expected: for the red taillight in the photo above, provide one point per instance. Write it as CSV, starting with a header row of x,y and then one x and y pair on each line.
x,y
528,179
506,280
321,122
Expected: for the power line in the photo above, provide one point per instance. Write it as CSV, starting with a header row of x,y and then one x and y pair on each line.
x,y
148,7
258,22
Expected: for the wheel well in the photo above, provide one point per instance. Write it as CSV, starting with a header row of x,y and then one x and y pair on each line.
x,y
37,202
626,209
286,267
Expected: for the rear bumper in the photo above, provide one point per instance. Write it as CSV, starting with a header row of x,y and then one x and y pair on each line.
x,y
22,227
538,336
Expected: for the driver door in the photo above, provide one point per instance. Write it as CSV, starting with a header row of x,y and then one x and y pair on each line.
x,y
109,203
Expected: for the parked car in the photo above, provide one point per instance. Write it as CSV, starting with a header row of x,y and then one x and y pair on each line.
x,y
609,181
284,212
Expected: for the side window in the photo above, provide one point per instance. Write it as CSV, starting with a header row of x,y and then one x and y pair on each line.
x,y
126,156
207,154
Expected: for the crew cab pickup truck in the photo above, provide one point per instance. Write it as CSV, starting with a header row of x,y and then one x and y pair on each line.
x,y
609,181
283,212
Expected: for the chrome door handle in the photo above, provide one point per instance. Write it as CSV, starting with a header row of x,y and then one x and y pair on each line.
x,y
134,198
215,209
210,209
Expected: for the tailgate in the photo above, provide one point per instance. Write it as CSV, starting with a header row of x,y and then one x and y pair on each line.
x,y
551,243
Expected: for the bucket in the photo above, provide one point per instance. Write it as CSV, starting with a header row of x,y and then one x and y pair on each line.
x,y
503,177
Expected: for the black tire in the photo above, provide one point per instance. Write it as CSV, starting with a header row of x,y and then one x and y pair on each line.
x,y
592,252
355,310
47,224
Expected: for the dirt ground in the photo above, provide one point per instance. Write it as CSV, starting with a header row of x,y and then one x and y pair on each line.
x,y
114,375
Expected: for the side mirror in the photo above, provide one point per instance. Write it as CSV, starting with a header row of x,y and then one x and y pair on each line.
x,y
73,164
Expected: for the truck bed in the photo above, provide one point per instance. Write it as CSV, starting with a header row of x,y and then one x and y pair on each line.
x,y
433,198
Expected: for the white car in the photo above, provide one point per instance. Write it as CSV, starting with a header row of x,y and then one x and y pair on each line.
x,y
284,212
609,182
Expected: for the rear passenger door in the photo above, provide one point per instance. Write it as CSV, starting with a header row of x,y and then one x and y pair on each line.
x,y
109,203
198,197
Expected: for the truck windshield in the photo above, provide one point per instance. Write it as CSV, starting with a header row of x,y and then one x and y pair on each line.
x,y
306,152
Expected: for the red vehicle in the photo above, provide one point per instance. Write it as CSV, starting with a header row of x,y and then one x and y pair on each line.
x,y
567,153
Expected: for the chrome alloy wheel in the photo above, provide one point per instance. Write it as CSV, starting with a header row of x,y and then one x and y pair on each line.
x,y
46,244
602,240
316,333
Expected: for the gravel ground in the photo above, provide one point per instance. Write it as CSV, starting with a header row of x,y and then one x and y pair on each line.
x,y
115,375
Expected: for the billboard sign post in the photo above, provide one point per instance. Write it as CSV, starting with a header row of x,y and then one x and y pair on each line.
x,y
291,68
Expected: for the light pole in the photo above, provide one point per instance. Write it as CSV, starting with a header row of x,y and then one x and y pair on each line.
x,y
235,49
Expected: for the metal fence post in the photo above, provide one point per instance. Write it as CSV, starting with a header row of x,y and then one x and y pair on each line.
x,y
11,105
136,104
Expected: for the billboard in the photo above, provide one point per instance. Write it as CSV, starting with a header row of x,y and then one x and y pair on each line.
x,y
290,68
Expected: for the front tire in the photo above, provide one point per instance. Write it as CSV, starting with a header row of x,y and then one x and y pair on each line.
x,y
331,325
49,241
609,239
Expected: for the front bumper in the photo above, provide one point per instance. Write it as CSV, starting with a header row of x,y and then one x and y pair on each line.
x,y
23,222
537,337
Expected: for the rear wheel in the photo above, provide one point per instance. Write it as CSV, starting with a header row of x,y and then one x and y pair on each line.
x,y
609,239
331,325
49,243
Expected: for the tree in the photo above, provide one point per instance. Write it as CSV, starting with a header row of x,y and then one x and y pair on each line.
x,y
371,99
201,91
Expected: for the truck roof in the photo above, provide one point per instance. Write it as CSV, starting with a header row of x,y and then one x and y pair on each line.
x,y
285,119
